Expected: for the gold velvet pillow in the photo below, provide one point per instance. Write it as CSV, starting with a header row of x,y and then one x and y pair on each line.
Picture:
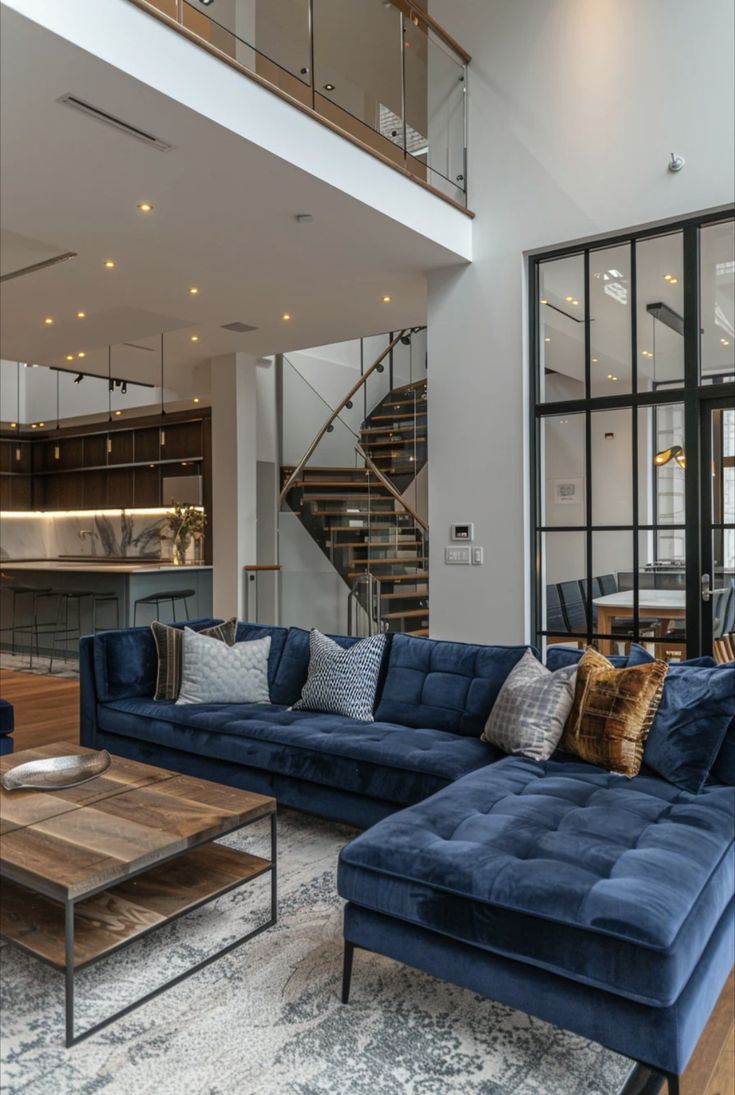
x,y
612,712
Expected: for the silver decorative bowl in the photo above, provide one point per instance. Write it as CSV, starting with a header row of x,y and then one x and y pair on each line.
x,y
56,773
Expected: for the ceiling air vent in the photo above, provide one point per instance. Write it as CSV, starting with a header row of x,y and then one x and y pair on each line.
x,y
117,123
240,327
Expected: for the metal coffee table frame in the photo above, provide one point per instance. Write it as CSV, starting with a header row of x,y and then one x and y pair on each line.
x,y
70,970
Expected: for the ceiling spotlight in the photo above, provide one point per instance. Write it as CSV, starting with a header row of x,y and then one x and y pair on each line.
x,y
329,87
118,413
195,399
387,299
34,426
145,207
724,341
195,338
206,3
79,378
611,376
82,353
547,339
70,357
41,424
109,264
151,465
124,387
286,315
575,302
48,320
569,299
646,353
193,290
14,425
595,360
544,302
81,315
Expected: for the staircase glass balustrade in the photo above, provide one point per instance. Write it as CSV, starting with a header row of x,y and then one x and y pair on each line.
x,y
385,72
353,547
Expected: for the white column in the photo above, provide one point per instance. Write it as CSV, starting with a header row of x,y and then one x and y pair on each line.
x,y
234,485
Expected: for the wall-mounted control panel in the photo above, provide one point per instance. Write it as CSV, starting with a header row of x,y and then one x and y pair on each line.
x,y
464,531
457,556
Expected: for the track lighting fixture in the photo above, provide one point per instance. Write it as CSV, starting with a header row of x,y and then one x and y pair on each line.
x,y
124,387
79,378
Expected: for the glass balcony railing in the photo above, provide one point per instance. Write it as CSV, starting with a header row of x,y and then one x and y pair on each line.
x,y
385,73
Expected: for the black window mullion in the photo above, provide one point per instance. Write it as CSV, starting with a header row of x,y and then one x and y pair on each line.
x,y
588,444
634,433
692,440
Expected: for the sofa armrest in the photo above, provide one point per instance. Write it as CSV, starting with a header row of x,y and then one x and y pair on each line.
x,y
87,693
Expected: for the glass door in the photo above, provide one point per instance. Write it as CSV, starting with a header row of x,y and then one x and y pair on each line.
x,y
718,525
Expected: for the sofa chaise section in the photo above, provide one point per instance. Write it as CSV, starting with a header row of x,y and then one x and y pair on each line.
x,y
611,898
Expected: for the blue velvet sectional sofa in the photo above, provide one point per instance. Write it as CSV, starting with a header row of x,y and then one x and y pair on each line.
x,y
602,904
6,727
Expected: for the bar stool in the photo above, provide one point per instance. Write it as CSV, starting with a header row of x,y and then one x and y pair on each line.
x,y
16,591
61,627
157,599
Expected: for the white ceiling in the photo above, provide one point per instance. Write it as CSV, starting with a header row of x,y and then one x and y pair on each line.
x,y
224,221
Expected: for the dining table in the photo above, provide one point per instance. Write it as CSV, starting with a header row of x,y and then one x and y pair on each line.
x,y
663,605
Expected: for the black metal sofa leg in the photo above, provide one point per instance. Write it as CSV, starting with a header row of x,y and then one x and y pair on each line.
x,y
347,973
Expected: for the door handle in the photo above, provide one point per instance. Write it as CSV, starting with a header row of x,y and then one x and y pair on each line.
x,y
707,592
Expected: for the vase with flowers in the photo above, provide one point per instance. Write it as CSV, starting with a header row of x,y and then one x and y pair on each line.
x,y
186,523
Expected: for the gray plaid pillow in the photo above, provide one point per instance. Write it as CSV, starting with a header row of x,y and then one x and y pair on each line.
x,y
170,646
532,707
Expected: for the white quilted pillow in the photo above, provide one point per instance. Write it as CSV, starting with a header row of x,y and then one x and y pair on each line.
x,y
213,672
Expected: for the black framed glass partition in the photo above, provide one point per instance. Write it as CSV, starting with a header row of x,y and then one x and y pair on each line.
x,y
632,340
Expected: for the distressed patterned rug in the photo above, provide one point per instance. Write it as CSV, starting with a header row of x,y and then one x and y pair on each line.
x,y
266,1019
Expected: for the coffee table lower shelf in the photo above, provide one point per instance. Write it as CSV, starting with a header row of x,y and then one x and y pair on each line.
x,y
73,935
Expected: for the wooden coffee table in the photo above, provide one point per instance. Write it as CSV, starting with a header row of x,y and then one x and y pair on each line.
x,y
88,870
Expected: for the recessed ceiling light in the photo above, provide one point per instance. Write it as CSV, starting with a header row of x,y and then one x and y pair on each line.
x,y
151,465
145,207
547,340
14,425
70,357
595,360
41,423
82,353
544,302
725,341
387,299
195,338
611,376
195,399
118,412
286,315
109,264
81,315
193,290
34,426
575,302
48,320
329,87
569,299
646,353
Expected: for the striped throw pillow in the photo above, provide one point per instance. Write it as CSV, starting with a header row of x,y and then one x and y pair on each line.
x,y
170,646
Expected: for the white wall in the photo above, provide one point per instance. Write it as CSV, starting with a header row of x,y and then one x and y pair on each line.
x,y
574,109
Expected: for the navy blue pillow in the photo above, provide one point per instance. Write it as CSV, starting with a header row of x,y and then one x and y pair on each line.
x,y
697,708
558,657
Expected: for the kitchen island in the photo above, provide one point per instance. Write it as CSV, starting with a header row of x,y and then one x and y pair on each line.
x,y
126,579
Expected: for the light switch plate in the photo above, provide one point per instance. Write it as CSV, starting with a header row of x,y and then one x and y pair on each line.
x,y
478,556
457,556
464,531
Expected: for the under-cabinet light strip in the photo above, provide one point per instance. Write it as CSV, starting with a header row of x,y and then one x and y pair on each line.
x,y
158,512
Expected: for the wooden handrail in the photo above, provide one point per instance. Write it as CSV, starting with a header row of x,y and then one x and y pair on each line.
x,y
423,17
391,489
262,566
338,410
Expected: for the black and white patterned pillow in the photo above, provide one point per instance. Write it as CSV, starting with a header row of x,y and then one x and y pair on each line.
x,y
342,681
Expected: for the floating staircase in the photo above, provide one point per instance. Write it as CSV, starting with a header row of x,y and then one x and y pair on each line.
x,y
357,518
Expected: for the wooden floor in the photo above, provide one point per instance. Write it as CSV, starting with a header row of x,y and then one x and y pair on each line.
x,y
47,709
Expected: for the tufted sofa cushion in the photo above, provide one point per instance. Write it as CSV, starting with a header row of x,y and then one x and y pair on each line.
x,y
391,763
614,883
447,686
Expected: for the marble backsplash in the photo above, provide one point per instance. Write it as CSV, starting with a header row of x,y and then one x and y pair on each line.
x,y
117,535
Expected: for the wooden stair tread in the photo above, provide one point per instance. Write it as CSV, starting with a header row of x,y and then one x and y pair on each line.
x,y
386,429
388,545
410,387
394,562
418,576
395,441
409,614
413,595
393,417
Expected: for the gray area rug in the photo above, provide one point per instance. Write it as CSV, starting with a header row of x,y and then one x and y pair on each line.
x,y
267,1020
19,663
